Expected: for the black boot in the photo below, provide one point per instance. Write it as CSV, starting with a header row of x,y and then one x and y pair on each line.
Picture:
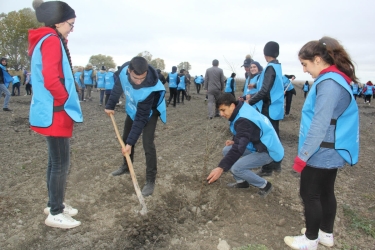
x,y
148,189
243,184
122,170
267,169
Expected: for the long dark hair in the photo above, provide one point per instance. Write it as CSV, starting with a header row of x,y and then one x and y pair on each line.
x,y
332,52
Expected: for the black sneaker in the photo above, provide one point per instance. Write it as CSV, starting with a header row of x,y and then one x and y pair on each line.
x,y
122,170
6,109
243,184
263,173
148,189
263,192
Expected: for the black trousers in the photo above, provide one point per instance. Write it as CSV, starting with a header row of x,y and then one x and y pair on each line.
x,y
148,135
183,95
317,192
28,89
172,94
198,86
288,101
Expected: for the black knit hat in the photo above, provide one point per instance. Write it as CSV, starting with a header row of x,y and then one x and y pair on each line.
x,y
52,12
271,49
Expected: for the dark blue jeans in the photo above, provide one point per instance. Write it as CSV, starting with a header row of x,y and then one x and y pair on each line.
x,y
57,171
148,135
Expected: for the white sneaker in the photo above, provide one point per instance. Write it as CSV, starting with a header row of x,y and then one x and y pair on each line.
x,y
301,242
325,239
69,210
61,221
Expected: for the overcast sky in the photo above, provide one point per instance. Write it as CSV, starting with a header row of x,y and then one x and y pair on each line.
x,y
199,31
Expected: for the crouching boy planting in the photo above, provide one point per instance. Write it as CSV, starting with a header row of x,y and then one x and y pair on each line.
x,y
254,144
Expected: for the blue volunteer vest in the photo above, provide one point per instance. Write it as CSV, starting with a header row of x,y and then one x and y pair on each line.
x,y
16,79
172,80
181,85
288,86
133,96
276,109
228,88
109,81
369,90
87,80
41,108
268,135
198,80
6,77
77,78
355,89
306,87
347,125
100,80
253,80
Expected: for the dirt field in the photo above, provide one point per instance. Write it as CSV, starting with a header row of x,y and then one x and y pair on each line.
x,y
184,212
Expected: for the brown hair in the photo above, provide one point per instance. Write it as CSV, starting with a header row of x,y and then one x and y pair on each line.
x,y
332,52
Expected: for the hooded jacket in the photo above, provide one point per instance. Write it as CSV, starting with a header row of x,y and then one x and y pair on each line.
x,y
143,108
62,124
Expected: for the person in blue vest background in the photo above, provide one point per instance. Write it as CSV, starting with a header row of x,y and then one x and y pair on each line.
x,y
88,78
173,80
100,84
289,91
161,76
269,99
355,89
251,82
145,103
255,143
54,105
230,85
109,82
305,88
328,138
198,80
16,85
368,91
28,86
5,80
181,87
81,86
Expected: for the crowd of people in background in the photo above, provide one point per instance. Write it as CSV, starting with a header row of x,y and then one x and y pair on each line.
x,y
254,116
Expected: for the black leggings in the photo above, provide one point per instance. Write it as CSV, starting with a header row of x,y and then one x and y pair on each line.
x,y
317,192
368,98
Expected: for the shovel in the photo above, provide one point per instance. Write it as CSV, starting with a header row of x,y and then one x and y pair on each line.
x,y
131,170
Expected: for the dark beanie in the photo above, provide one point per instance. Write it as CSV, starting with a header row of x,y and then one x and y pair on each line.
x,y
271,49
103,67
52,12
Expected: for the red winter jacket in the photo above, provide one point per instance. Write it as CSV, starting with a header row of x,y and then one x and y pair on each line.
x,y
62,124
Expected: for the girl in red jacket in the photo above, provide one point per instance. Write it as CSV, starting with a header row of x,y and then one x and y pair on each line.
x,y
54,105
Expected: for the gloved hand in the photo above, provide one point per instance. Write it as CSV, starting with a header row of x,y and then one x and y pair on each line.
x,y
299,164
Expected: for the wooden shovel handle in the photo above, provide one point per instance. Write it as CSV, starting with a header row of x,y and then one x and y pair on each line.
x,y
131,169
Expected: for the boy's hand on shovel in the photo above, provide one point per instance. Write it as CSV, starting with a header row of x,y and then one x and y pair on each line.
x,y
127,150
